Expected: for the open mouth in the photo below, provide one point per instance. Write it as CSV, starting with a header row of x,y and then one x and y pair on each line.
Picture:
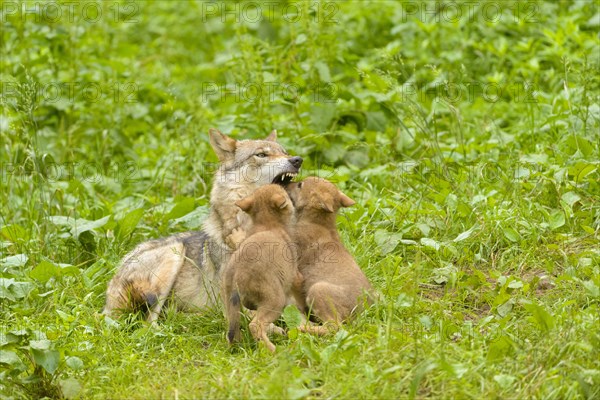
x,y
284,178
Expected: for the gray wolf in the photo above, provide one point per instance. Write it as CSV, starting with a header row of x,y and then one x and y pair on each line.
x,y
334,285
261,274
186,267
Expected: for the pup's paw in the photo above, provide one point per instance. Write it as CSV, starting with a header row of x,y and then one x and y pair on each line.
x,y
236,237
274,329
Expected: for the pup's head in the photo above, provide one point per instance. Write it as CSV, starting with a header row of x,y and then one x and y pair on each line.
x,y
267,200
259,162
318,196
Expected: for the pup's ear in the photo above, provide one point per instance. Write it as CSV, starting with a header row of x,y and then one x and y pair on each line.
x,y
246,203
327,202
279,200
346,201
272,136
222,144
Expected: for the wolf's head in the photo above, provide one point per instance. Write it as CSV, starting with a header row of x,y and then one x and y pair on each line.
x,y
257,162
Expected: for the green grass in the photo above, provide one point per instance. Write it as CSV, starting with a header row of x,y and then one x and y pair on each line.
x,y
470,144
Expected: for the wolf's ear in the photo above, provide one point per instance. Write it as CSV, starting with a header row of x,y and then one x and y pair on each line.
x,y
272,136
222,144
279,200
246,203
345,201
326,202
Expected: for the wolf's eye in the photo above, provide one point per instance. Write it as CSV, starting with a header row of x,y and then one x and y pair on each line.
x,y
261,155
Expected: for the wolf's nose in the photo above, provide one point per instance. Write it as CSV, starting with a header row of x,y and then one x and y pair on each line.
x,y
296,161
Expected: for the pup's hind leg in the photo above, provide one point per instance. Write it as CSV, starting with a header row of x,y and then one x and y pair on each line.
x,y
266,314
328,302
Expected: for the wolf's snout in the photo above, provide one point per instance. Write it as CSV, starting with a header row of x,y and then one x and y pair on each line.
x,y
296,161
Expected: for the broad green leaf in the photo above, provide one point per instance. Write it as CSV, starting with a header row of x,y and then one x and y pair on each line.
x,y
14,290
428,242
193,220
9,357
515,284
580,170
180,209
47,359
505,308
44,271
292,316
592,289
70,387
594,21
465,235
43,344
308,350
588,229
294,393
505,381
386,241
321,116
570,198
18,260
500,347
78,225
511,234
403,301
557,219
81,225
60,220
323,70
543,318
301,38
74,363
576,142
128,223
14,233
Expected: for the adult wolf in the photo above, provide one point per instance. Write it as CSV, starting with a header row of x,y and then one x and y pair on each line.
x,y
186,267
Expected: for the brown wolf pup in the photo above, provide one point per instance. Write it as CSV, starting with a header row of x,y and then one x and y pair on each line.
x,y
261,274
186,267
334,284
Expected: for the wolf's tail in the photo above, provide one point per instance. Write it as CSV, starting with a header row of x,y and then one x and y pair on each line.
x,y
233,316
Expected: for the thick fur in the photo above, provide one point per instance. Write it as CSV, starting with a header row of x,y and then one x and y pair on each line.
x,y
187,266
334,285
262,274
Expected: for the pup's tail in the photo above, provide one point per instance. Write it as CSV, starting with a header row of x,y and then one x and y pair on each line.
x,y
233,316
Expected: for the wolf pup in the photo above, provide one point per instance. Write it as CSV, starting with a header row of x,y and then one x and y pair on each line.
x,y
187,266
334,284
261,274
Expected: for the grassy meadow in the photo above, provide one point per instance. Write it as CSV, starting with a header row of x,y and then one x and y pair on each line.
x,y
468,134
